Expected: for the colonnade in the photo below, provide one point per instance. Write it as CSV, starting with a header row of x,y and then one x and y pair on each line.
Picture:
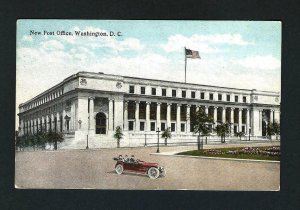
x,y
178,121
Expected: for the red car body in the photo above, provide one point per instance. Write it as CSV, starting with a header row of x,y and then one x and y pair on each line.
x,y
153,170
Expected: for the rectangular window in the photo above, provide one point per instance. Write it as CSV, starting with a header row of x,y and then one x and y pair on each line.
x,y
182,127
211,96
228,97
183,94
173,127
163,92
244,99
130,125
153,91
236,98
193,94
143,90
173,93
142,126
220,97
152,125
202,95
131,89
163,126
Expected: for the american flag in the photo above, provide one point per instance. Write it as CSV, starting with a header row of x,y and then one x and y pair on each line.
x,y
191,54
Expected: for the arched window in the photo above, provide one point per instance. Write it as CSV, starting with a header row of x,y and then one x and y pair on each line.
x,y
100,123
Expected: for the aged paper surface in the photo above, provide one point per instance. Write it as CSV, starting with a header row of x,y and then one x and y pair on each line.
x,y
81,84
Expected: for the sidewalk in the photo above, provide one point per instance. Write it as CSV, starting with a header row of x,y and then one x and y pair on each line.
x,y
171,150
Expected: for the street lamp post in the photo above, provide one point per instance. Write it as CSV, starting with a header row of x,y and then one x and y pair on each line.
x,y
145,140
87,136
157,151
249,132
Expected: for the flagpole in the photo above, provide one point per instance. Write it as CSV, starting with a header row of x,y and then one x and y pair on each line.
x,y
184,65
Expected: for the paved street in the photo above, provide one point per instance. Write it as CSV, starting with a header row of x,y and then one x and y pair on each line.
x,y
95,169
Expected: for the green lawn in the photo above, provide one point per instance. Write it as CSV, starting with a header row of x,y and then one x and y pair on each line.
x,y
241,154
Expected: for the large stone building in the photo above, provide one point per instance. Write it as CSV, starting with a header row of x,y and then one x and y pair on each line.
x,y
94,104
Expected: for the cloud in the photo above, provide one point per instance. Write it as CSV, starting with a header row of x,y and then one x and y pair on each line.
x,y
52,45
27,38
202,43
267,62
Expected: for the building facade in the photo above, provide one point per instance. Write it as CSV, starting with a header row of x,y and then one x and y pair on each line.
x,y
91,105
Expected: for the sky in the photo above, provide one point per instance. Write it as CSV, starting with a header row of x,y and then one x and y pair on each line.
x,y
239,54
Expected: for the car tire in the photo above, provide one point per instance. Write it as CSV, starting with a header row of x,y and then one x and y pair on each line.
x,y
153,173
119,169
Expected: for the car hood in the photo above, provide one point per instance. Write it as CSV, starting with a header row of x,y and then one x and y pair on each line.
x,y
150,164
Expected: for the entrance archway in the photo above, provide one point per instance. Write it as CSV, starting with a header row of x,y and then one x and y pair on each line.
x,y
100,123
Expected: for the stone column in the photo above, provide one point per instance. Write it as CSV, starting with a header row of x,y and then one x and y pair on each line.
x,y
178,120
36,125
197,108
169,115
64,127
232,115
148,115
47,123
256,122
53,123
43,126
118,112
271,116
260,119
188,119
58,122
91,114
277,116
247,121
215,114
83,114
126,116
110,115
158,115
240,120
137,116
206,110
223,114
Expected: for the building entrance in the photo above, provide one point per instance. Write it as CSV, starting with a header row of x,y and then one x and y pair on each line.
x,y
100,123
264,128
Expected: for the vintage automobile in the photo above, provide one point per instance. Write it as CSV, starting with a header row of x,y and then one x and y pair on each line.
x,y
132,165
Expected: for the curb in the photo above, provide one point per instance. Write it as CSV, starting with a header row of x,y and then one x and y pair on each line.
x,y
217,158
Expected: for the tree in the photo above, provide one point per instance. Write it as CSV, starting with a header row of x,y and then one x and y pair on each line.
x,y
54,138
118,135
166,135
273,129
202,125
222,130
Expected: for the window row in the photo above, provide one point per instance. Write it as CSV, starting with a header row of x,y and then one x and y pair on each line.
x,y
184,94
45,99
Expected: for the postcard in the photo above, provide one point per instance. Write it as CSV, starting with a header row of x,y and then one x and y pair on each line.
x,y
148,105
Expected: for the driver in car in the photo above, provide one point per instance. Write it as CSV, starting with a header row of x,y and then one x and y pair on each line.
x,y
132,159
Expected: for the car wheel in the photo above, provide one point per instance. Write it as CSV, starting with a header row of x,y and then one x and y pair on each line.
x,y
163,173
119,169
153,173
